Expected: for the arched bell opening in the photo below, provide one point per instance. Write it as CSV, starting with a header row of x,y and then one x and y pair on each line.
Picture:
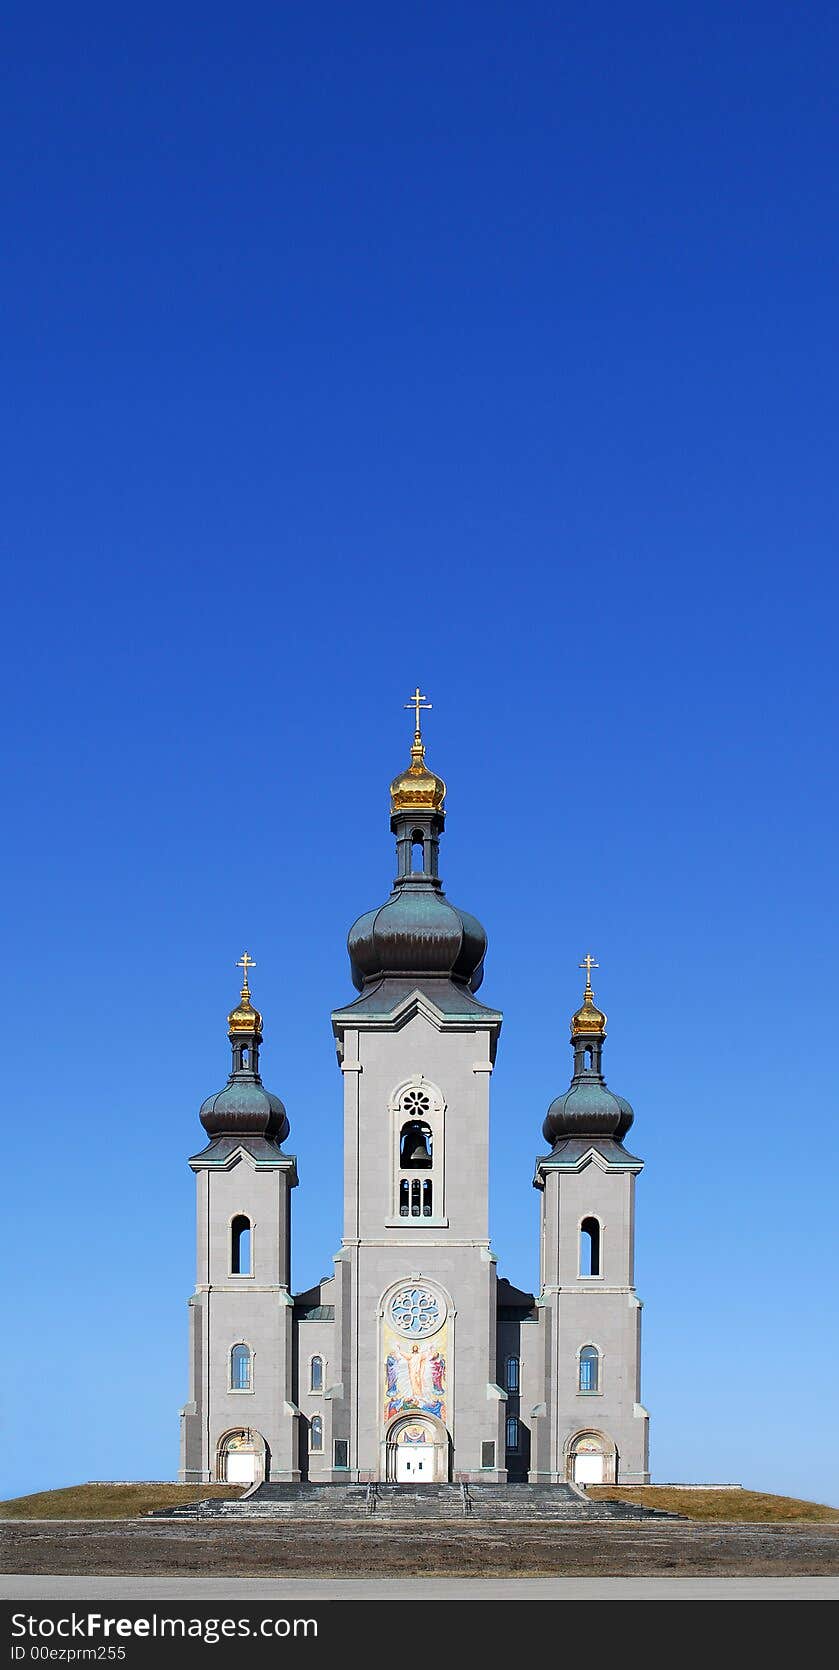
x,y
416,1146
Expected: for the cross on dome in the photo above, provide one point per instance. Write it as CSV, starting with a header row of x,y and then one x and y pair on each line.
x,y
420,703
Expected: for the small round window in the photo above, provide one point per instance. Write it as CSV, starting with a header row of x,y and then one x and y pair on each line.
x,y
416,1101
415,1311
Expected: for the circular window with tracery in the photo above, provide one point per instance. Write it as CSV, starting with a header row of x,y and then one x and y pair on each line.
x,y
415,1311
416,1101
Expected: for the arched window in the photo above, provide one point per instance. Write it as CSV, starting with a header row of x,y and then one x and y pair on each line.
x,y
240,1247
590,1247
512,1375
418,1112
316,1374
316,1433
240,1368
589,1369
417,853
512,1433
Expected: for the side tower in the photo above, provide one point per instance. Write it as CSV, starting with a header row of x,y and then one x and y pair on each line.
x,y
415,1284
240,1424
589,1425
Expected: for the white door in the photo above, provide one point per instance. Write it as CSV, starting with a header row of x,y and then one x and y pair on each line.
x,y
588,1469
415,1462
240,1467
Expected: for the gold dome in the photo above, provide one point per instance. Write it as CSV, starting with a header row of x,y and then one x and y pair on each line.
x,y
417,789
244,1018
588,1018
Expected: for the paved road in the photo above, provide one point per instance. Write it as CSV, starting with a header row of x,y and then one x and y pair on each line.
x,y
242,1589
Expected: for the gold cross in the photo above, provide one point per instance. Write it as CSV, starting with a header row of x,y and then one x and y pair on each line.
x,y
418,701
245,962
588,963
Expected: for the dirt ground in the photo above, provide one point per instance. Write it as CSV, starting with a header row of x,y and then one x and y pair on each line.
x,y
256,1549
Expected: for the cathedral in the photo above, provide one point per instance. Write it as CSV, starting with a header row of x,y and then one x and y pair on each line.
x,y
415,1362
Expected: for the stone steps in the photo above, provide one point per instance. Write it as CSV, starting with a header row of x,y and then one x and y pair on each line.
x,y
412,1504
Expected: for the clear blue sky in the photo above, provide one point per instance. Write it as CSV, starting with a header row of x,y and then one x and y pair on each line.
x,y
491,346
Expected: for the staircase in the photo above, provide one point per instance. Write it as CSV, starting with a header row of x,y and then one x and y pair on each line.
x,y
412,1504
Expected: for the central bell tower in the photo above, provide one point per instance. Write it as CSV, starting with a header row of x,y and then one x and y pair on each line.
x,y
416,1301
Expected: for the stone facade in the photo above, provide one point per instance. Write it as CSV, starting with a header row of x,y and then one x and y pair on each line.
x,y
414,1361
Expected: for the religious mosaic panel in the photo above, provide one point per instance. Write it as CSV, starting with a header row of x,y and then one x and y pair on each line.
x,y
415,1342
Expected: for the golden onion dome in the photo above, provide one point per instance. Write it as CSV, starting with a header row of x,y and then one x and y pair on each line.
x,y
417,789
244,1018
588,1018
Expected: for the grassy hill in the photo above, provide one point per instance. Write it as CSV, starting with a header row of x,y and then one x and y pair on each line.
x,y
128,1501
109,1501
741,1505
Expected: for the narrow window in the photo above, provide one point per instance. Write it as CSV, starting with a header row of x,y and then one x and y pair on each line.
x,y
512,1374
240,1368
589,1369
488,1452
316,1375
415,1198
403,1198
342,1452
244,1058
426,1197
588,1058
512,1433
240,1247
589,1247
417,853
316,1433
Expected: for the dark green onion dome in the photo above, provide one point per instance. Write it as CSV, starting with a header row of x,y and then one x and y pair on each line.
x,y
588,1107
244,1107
417,932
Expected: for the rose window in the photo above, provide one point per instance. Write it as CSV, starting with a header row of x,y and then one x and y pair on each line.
x,y
416,1311
416,1102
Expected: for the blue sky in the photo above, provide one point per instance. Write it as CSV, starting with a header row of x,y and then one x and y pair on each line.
x,y
493,347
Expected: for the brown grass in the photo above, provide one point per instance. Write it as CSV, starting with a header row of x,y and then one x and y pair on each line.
x,y
127,1501
109,1501
731,1505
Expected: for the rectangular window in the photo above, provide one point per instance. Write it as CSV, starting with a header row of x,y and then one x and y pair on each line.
x,y
342,1452
488,1452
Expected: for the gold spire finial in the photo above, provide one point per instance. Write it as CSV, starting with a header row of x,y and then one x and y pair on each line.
x,y
244,1018
588,1018
417,788
420,703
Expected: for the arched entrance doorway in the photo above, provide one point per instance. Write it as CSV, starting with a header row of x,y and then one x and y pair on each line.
x,y
242,1457
417,1451
591,1458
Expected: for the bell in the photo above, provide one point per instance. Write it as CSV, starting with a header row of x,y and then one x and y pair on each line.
x,y
416,1146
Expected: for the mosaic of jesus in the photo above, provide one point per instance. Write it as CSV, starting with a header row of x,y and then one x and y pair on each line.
x,y
416,1379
